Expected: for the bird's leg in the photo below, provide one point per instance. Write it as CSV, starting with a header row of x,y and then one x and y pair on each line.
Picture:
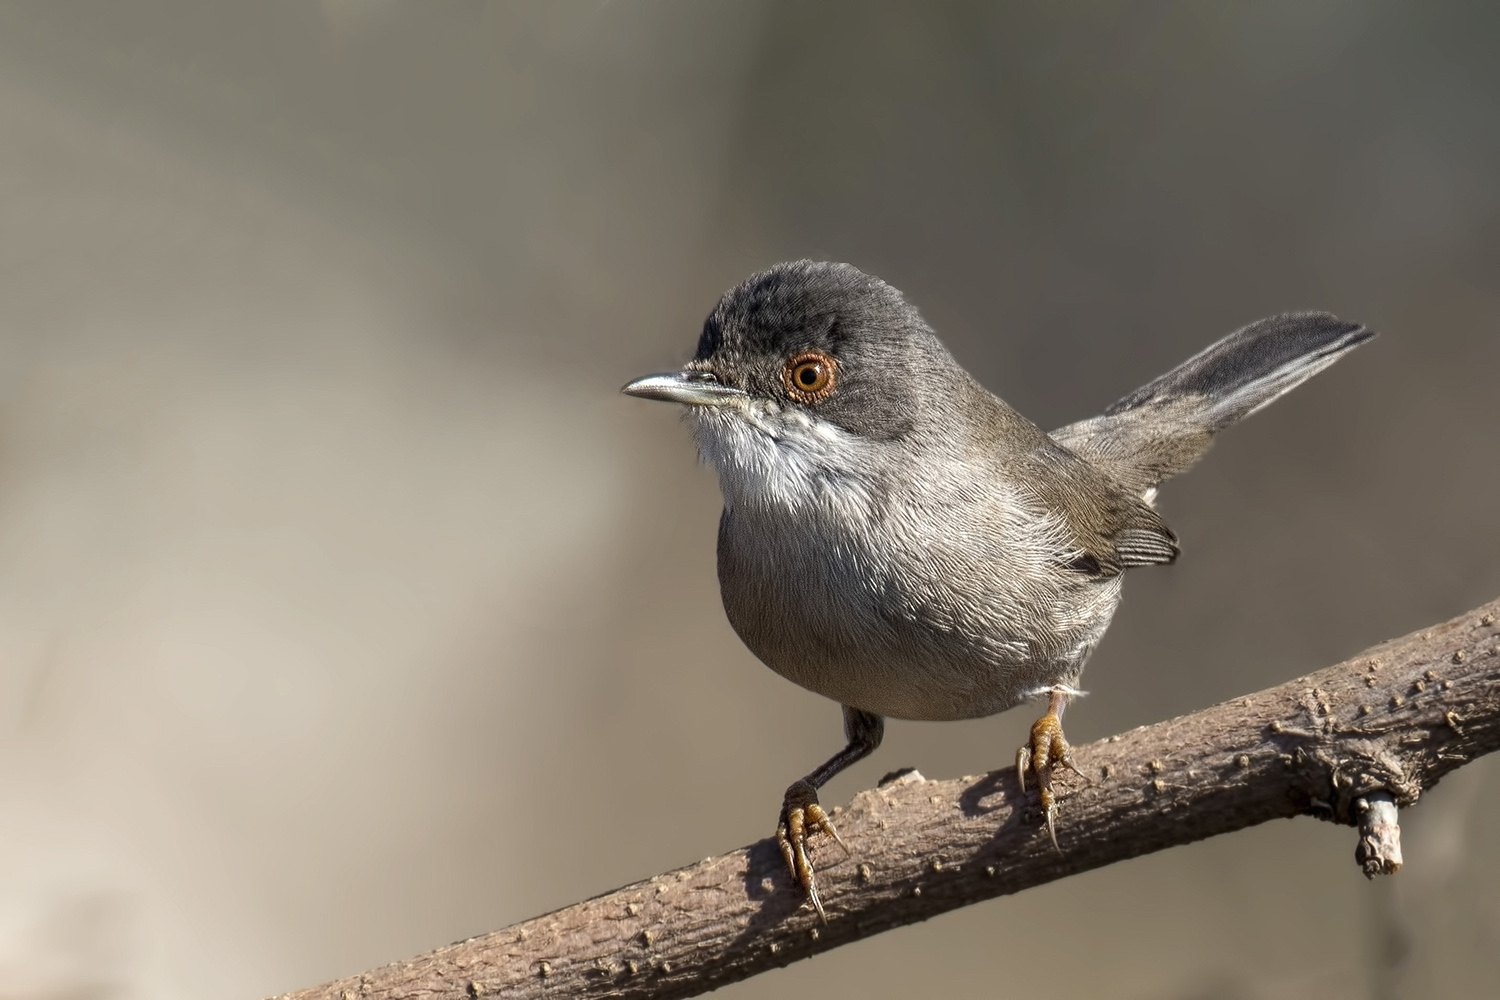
x,y
1044,753
802,815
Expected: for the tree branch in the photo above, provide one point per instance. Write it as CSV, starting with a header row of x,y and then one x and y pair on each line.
x,y
1350,744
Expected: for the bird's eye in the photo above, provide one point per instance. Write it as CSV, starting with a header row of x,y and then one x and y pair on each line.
x,y
808,376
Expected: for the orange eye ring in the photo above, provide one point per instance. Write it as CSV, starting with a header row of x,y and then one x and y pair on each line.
x,y
809,376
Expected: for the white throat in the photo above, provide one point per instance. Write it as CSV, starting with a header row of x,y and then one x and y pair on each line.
x,y
773,456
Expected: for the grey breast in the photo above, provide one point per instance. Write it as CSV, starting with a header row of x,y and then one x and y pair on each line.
x,y
944,598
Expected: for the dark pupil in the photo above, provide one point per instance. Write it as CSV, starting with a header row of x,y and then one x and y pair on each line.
x,y
809,375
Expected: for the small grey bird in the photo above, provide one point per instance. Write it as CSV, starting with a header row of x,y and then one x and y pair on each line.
x,y
898,539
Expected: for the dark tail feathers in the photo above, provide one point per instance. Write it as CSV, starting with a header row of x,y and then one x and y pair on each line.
x,y
1164,426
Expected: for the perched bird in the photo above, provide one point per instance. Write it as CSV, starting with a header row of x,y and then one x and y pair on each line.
x,y
898,539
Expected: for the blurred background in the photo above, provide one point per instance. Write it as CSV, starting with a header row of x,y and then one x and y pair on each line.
x,y
347,610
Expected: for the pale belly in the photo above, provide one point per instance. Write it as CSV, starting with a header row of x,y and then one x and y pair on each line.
x,y
938,652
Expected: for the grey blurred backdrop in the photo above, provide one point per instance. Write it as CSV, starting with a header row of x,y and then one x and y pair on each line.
x,y
347,610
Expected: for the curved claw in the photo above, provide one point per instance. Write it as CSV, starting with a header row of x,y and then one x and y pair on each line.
x,y
818,820
1049,809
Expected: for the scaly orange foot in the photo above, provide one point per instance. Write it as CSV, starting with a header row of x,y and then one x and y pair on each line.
x,y
1046,752
801,816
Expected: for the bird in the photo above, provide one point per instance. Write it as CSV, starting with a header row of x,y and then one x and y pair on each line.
x,y
897,538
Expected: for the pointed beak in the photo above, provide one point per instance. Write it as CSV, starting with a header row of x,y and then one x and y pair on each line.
x,y
691,387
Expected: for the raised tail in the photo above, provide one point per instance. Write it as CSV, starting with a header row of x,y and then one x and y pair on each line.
x,y
1164,426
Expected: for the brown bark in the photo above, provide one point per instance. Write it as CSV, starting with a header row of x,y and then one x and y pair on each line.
x,y
1350,744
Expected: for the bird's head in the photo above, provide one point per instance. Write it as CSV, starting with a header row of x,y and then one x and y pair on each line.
x,y
806,367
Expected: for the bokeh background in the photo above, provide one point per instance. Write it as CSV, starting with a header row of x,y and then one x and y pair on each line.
x,y
346,609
